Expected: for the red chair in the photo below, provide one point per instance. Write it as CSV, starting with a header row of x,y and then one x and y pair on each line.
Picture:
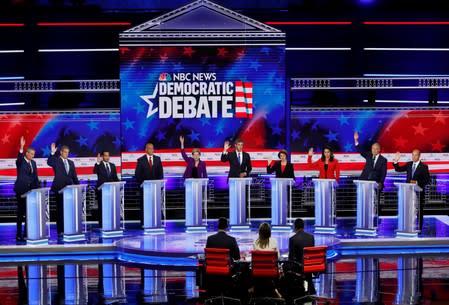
x,y
265,274
218,271
314,263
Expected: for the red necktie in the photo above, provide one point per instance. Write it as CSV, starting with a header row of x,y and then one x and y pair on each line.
x,y
150,162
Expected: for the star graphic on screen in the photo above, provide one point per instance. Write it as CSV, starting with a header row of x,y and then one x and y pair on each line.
x,y
222,52
67,131
147,99
419,129
46,151
440,118
163,57
343,120
276,130
255,65
331,136
240,54
142,133
265,50
205,122
348,146
133,148
295,135
219,129
92,125
400,142
5,139
437,146
188,51
139,108
177,67
315,126
128,124
82,141
210,144
179,126
280,146
194,136
160,135
117,142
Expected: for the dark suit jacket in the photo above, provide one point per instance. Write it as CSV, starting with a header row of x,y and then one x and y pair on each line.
x,y
275,167
421,176
202,173
234,167
143,171
102,173
62,178
26,179
297,243
222,240
379,172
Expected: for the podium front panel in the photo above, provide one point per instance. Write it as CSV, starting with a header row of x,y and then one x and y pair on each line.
x,y
237,201
73,209
408,207
366,205
194,201
279,200
112,203
37,215
152,203
325,200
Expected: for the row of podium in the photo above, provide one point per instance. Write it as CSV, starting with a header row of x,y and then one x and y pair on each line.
x,y
196,207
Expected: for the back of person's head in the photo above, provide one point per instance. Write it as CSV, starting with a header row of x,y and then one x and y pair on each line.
x,y
222,223
264,235
299,224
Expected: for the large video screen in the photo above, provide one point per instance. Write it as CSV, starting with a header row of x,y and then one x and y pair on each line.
x,y
207,94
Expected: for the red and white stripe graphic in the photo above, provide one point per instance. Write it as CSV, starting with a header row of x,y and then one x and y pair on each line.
x,y
243,99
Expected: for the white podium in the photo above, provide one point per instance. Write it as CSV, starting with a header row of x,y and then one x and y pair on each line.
x,y
112,197
74,212
366,208
325,206
237,204
153,206
280,198
196,195
408,209
37,216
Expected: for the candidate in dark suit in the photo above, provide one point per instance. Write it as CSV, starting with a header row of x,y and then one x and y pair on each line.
x,y
417,172
375,168
222,240
106,172
296,246
282,168
196,168
27,180
65,174
239,161
149,167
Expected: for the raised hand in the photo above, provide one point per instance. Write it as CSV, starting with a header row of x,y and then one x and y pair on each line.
x,y
270,159
22,142
53,148
181,139
99,158
356,137
397,156
226,146
310,151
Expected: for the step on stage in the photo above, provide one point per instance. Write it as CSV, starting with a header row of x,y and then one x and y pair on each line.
x,y
177,248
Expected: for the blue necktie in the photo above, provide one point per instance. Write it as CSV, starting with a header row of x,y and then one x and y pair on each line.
x,y
413,169
108,170
66,165
238,157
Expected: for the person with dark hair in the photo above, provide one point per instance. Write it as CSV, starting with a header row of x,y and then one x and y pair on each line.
x,y
283,168
417,172
327,165
239,161
149,167
65,174
27,180
106,172
222,240
265,242
195,167
297,243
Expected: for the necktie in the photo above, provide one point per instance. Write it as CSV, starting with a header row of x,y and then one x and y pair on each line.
x,y
374,161
66,165
108,170
31,166
239,158
150,162
413,169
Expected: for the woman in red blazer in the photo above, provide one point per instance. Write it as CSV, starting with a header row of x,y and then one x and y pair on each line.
x,y
327,165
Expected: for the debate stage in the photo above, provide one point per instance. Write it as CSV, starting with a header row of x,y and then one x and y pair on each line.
x,y
179,249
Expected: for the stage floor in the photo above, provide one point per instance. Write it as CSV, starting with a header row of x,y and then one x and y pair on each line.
x,y
178,248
